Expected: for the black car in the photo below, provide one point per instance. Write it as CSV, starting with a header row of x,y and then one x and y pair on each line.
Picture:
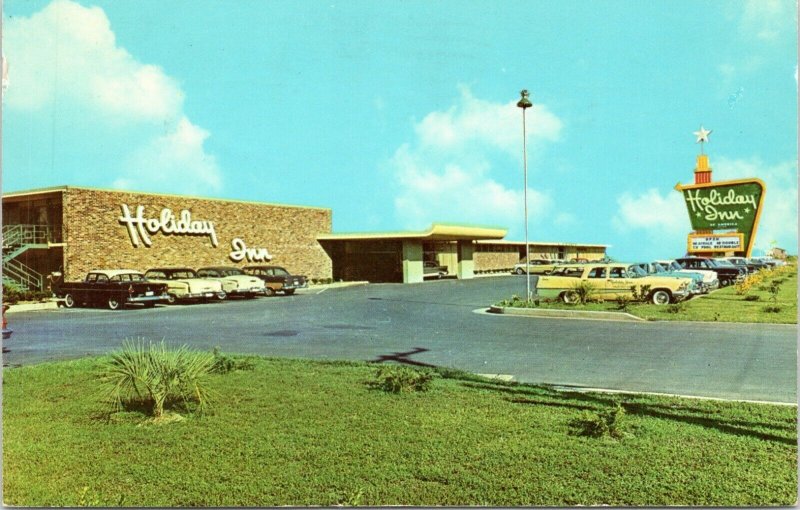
x,y
277,279
727,275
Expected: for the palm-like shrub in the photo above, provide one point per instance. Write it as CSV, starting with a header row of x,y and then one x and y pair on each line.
x,y
155,375
583,291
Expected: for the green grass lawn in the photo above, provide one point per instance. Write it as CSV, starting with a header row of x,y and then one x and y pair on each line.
x,y
310,433
720,305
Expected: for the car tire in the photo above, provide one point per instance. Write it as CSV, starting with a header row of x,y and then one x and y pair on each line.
x,y
69,301
569,297
289,292
171,299
661,297
269,292
519,270
114,304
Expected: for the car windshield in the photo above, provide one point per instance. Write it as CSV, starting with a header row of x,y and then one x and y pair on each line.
x,y
723,263
231,272
279,271
657,268
636,272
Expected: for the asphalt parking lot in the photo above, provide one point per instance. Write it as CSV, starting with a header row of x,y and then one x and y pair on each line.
x,y
440,323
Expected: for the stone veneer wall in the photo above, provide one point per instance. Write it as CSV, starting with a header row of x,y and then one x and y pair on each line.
x,y
95,238
494,261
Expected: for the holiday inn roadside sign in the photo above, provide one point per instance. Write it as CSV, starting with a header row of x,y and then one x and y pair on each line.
x,y
733,206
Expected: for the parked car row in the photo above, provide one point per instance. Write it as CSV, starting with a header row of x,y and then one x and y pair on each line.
x,y
614,281
668,280
116,288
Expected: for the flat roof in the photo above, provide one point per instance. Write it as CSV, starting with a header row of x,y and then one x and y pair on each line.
x,y
542,243
437,232
62,188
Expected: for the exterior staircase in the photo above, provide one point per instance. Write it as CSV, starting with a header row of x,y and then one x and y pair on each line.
x,y
17,239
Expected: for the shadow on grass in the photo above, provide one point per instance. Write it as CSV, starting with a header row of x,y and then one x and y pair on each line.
x,y
404,358
543,395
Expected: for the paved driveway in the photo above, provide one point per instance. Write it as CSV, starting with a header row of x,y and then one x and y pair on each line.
x,y
436,323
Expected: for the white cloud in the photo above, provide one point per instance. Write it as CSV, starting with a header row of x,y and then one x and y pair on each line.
x,y
779,217
450,173
767,20
651,211
663,218
67,53
475,121
176,160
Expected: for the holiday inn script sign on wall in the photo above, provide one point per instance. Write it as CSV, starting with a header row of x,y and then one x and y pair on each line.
x,y
725,205
141,228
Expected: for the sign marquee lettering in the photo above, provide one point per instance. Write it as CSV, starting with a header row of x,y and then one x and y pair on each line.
x,y
167,223
710,204
699,242
240,251
724,205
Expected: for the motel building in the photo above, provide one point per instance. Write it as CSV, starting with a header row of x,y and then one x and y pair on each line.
x,y
73,230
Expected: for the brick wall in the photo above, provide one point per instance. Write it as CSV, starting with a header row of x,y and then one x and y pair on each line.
x,y
95,238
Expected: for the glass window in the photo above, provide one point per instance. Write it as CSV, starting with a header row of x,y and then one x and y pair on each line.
x,y
597,272
101,278
155,275
91,277
618,272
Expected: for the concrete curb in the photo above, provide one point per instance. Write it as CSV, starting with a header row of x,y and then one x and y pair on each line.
x,y
334,285
565,314
30,307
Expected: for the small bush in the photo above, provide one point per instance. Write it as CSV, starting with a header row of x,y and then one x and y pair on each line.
x,y
224,364
772,309
583,291
678,307
774,289
13,294
623,302
752,297
610,423
156,376
400,379
641,292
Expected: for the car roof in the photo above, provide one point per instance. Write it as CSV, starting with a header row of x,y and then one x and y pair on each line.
x,y
114,272
170,269
219,268
259,266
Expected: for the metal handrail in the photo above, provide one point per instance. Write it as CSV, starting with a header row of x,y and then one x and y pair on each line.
x,y
17,234
23,275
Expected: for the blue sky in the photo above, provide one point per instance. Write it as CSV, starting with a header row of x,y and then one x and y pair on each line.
x,y
396,115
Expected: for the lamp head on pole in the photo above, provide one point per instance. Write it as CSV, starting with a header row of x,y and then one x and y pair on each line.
x,y
524,102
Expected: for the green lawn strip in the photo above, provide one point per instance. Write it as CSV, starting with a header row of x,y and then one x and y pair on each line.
x,y
295,432
721,305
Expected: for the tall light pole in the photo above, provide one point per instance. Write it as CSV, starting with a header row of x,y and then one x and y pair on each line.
x,y
524,103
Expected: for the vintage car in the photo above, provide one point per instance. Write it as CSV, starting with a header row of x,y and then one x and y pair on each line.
x,y
727,275
656,269
234,281
710,280
611,282
277,279
183,284
537,266
431,269
114,288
